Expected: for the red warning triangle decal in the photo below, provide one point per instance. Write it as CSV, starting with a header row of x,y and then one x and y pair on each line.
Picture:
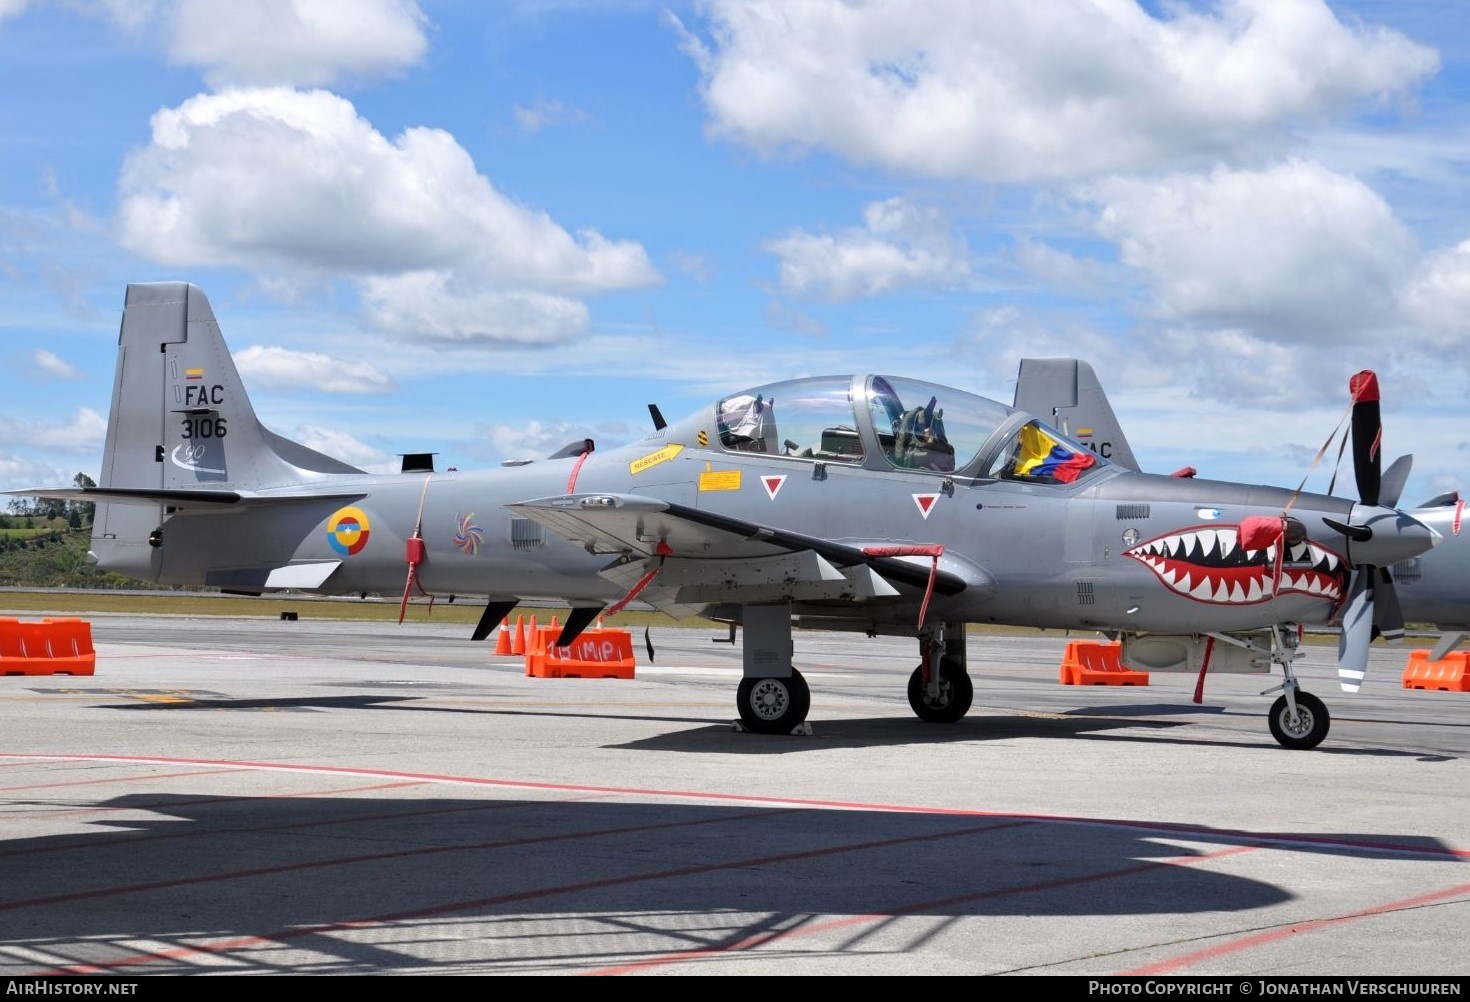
x,y
925,503
773,484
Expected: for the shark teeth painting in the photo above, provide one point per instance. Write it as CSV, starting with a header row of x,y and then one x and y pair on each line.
x,y
1208,564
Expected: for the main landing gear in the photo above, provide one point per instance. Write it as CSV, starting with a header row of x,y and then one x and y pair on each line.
x,y
773,705
939,690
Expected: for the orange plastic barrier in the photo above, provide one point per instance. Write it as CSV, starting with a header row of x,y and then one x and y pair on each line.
x,y
594,654
1447,675
1092,662
49,647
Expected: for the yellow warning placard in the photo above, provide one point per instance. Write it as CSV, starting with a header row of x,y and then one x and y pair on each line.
x,y
719,480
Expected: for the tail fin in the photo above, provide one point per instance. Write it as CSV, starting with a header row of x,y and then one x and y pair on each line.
x,y
180,415
181,430
1066,393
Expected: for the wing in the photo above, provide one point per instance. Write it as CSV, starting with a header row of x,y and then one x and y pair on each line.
x,y
703,558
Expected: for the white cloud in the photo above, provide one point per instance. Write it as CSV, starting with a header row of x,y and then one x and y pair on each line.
x,y
998,338
340,445
1043,89
302,42
47,365
698,265
782,317
83,433
275,368
544,114
21,473
1058,268
437,307
900,246
1295,252
276,179
1437,301
532,440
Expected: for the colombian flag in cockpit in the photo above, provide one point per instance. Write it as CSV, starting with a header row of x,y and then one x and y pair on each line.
x,y
1043,456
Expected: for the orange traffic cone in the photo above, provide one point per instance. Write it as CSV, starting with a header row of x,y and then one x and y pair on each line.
x,y
502,640
518,644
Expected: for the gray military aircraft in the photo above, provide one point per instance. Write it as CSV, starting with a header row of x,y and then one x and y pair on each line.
x,y
1432,589
877,504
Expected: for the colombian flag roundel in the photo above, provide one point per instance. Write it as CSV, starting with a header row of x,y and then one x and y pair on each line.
x,y
347,531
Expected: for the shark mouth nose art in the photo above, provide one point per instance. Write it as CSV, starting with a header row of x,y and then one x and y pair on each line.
x,y
1208,564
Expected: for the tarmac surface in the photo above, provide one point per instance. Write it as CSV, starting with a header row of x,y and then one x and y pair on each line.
x,y
260,797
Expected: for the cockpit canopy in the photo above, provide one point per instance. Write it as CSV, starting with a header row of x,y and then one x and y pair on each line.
x,y
900,423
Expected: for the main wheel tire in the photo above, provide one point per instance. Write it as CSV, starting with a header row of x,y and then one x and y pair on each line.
x,y
956,692
773,705
1309,727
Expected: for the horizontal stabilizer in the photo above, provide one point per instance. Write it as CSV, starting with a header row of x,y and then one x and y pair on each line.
x,y
302,576
180,498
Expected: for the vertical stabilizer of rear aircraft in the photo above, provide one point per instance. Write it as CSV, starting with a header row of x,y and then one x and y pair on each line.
x,y
1066,393
181,420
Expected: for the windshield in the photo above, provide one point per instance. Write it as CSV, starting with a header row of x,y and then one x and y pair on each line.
x,y
808,418
923,426
916,425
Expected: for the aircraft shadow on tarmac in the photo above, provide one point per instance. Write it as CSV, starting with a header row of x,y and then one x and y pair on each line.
x,y
1077,723
189,870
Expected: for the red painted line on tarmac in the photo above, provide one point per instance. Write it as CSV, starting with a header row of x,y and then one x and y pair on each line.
x,y
763,939
1295,929
1257,840
375,857
92,842
121,779
499,899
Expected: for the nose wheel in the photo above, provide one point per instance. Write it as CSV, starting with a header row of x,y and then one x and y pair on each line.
x,y
1304,729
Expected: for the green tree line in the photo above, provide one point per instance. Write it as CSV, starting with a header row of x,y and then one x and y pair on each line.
x,y
43,544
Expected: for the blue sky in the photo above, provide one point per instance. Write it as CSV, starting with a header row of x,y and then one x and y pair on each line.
x,y
486,230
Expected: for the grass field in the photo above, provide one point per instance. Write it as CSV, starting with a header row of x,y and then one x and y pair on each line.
x,y
30,604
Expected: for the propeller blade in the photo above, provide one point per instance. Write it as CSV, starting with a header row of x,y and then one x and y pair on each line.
x,y
1394,479
1367,434
1357,533
1357,631
1388,617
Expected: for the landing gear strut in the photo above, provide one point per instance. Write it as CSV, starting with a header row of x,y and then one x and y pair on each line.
x,y
940,690
773,697
1298,719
